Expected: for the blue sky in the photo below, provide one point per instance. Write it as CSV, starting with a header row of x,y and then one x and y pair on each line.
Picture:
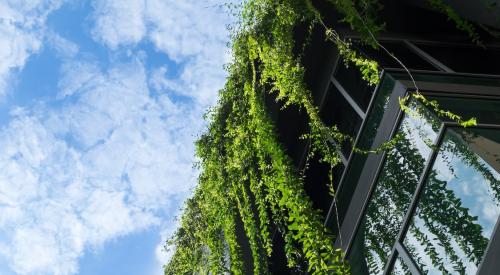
x,y
100,103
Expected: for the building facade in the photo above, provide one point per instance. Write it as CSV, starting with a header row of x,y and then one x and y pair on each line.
x,y
430,203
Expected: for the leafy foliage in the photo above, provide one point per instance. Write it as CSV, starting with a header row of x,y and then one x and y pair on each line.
x,y
460,23
247,181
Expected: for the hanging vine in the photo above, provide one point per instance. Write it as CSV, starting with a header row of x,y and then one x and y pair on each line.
x,y
247,181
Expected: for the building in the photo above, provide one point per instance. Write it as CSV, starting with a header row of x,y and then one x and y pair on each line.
x,y
417,189
429,204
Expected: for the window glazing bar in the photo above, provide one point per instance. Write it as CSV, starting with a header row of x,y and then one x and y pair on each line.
x,y
478,125
420,186
434,62
305,152
408,260
349,99
489,264
411,209
343,158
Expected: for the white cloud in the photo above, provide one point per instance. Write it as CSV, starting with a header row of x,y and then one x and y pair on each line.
x,y
174,31
192,33
113,160
129,16
63,47
115,156
21,32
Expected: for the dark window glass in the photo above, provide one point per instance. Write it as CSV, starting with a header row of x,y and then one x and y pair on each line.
x,y
317,182
366,141
398,49
473,59
337,111
459,207
486,111
350,78
393,192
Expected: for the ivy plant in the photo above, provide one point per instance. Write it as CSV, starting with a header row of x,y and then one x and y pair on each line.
x,y
247,182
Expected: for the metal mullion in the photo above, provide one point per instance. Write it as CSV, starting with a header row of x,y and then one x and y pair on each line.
x,y
421,183
399,250
478,125
392,259
349,99
380,166
416,196
351,154
389,123
373,184
407,259
321,105
490,256
427,57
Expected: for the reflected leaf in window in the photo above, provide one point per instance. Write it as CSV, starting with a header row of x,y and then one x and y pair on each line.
x,y
393,192
400,268
459,207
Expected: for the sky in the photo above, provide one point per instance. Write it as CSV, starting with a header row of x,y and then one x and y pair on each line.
x,y
100,103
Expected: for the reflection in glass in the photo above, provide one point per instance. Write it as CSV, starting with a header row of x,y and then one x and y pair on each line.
x,y
459,205
393,193
400,268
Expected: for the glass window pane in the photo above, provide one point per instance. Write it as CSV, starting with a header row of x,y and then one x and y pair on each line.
x,y
393,192
351,79
366,139
484,110
472,59
337,111
459,205
399,49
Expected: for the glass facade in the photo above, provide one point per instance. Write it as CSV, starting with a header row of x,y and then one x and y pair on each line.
x,y
394,189
428,204
433,204
459,206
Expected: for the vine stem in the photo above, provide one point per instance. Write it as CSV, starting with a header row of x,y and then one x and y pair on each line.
x,y
388,52
335,205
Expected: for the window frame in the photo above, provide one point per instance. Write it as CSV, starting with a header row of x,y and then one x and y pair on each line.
x,y
429,83
398,248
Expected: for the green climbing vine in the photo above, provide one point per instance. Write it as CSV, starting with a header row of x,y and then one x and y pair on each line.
x,y
247,182
461,24
435,107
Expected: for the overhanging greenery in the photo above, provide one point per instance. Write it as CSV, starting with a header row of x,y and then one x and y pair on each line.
x,y
247,181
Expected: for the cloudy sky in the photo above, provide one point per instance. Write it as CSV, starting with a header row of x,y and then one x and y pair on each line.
x,y
100,102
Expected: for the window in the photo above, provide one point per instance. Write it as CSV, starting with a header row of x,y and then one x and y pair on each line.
x,y
431,203
458,207
394,190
